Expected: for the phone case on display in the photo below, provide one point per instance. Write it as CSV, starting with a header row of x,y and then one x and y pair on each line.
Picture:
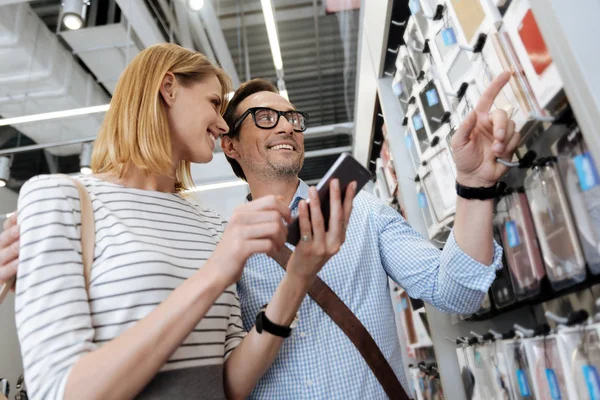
x,y
439,183
582,185
532,52
424,206
547,370
502,287
478,371
433,106
579,349
406,66
415,43
417,384
565,264
486,68
516,361
468,377
409,140
417,125
503,385
513,218
418,15
485,370
519,82
486,305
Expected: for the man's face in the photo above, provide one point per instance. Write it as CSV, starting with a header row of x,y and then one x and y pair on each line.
x,y
268,153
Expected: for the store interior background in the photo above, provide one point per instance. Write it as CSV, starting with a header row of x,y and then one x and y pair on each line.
x,y
338,65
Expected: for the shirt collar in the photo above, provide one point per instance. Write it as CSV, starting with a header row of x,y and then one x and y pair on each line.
x,y
301,194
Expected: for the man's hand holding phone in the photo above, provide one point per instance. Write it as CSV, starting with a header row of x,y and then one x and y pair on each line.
x,y
317,245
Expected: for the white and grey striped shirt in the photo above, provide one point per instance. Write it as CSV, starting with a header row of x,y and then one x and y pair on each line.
x,y
147,244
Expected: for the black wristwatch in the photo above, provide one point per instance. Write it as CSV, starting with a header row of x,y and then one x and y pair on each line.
x,y
263,323
480,193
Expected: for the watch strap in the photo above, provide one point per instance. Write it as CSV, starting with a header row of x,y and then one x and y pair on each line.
x,y
263,323
480,193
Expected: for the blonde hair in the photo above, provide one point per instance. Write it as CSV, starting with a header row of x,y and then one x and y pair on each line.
x,y
135,129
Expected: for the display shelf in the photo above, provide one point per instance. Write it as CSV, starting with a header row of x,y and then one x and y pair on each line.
x,y
569,32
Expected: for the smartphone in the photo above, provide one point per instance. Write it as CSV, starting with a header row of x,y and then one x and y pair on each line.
x,y
347,170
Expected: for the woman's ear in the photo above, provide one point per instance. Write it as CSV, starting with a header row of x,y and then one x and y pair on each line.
x,y
227,145
168,88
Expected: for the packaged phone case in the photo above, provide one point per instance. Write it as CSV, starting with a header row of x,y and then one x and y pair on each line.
x,y
411,145
433,108
486,306
502,287
579,349
549,379
523,256
424,206
466,363
503,384
582,184
516,361
565,264
483,369
439,184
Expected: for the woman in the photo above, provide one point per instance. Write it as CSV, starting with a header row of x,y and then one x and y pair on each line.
x,y
162,319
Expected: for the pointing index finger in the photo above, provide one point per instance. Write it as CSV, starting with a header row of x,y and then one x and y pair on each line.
x,y
486,101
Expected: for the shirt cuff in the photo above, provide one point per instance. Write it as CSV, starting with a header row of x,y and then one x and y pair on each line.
x,y
463,269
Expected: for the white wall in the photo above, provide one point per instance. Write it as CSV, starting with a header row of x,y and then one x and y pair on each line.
x,y
10,354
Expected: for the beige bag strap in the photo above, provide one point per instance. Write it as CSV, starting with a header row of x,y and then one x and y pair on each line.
x,y
88,230
88,237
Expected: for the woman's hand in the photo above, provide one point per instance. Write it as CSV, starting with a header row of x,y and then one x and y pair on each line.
x,y
255,227
9,250
316,245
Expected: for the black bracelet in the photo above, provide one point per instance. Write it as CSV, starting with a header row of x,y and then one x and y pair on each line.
x,y
480,193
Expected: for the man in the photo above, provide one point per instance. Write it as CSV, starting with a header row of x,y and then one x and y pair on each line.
x,y
318,360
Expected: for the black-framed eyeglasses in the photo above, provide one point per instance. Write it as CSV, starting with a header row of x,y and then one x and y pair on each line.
x,y
267,118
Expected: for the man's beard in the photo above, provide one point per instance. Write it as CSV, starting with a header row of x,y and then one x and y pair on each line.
x,y
286,170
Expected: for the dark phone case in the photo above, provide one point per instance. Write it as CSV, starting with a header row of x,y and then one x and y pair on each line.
x,y
347,170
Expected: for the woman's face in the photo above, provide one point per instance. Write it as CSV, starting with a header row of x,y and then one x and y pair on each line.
x,y
194,114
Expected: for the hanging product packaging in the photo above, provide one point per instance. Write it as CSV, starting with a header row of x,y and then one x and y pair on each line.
x,y
483,368
486,306
466,363
424,206
516,361
439,184
501,374
565,264
582,185
546,368
523,256
579,349
417,384
433,106
411,145
502,287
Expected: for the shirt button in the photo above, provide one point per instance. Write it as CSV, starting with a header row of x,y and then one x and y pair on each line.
x,y
309,383
302,334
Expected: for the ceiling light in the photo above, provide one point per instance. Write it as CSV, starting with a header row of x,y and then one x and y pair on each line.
x,y
85,158
73,13
282,89
55,114
267,8
195,5
4,171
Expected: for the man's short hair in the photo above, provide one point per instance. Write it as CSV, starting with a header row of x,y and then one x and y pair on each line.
x,y
231,114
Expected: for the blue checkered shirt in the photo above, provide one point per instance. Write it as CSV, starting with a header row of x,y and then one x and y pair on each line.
x,y
318,361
